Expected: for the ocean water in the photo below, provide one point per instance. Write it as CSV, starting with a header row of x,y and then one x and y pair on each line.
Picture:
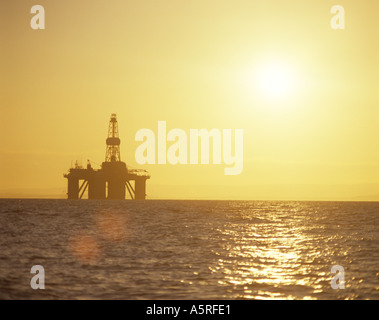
x,y
188,249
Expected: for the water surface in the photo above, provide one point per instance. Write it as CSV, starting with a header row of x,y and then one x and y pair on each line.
x,y
159,249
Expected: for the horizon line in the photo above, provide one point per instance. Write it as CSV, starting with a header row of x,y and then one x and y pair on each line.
x,y
181,199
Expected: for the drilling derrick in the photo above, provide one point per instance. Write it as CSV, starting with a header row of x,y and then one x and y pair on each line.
x,y
113,141
114,169
114,177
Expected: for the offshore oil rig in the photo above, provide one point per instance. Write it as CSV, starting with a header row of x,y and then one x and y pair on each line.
x,y
114,177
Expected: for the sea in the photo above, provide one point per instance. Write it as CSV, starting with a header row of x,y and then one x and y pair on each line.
x,y
184,250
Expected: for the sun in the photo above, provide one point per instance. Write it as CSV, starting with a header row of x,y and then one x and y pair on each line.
x,y
276,80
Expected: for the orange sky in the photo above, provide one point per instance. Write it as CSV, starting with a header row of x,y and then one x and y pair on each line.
x,y
195,64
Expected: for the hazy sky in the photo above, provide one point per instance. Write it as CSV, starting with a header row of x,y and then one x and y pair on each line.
x,y
195,64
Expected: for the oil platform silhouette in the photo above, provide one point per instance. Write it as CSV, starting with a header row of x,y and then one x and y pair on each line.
x,y
114,177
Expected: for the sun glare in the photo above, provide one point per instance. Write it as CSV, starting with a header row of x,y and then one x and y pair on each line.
x,y
275,80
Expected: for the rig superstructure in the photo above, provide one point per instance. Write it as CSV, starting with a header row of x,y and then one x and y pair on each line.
x,y
114,177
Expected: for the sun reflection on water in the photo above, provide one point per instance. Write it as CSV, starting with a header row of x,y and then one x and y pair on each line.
x,y
264,258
